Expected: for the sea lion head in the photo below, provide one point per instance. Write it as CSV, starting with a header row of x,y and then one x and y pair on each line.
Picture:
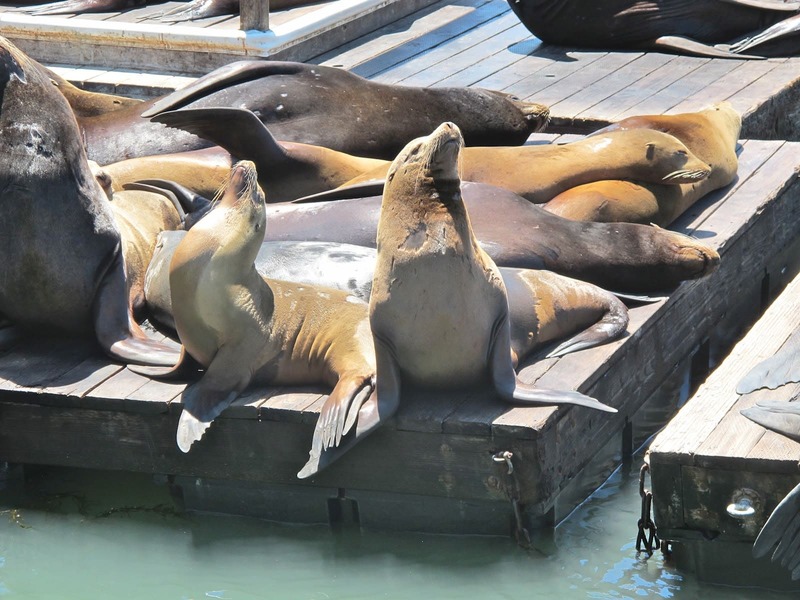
x,y
431,160
669,150
692,257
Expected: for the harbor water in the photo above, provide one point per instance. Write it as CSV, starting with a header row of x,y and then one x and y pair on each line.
x,y
85,535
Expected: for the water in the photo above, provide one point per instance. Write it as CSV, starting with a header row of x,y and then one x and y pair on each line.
x,y
74,534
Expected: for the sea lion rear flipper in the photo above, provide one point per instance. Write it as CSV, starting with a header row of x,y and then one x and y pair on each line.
x,y
781,531
237,130
511,389
786,28
221,78
186,368
682,45
779,416
781,368
203,401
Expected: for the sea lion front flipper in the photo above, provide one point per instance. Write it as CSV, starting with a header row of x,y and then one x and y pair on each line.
x,y
379,407
682,45
228,75
782,532
193,204
224,380
781,368
611,326
777,415
153,189
117,332
786,28
511,389
237,130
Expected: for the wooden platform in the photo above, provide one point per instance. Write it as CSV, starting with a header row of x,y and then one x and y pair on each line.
x,y
481,43
710,455
137,39
433,467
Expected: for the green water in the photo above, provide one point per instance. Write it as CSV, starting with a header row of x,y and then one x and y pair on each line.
x,y
82,535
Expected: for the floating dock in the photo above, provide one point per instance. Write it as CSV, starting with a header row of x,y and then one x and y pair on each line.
x,y
711,457
442,463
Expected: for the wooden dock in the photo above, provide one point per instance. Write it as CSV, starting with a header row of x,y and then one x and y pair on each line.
x,y
439,465
710,457
481,43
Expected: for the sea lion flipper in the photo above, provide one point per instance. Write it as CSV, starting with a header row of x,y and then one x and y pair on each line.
x,y
512,389
193,205
237,130
781,528
221,78
610,327
203,401
788,27
168,194
357,190
186,368
682,45
781,368
780,416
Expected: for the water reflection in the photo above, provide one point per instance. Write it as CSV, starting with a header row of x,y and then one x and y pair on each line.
x,y
86,535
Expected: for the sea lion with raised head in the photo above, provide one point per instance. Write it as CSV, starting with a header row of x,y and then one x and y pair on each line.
x,y
316,105
62,267
244,329
711,135
439,310
768,27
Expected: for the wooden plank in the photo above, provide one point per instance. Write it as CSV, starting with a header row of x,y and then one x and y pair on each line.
x,y
398,56
35,362
691,83
529,88
487,21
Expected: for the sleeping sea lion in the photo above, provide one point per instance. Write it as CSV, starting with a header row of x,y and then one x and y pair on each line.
x,y
439,310
62,267
768,27
315,105
710,134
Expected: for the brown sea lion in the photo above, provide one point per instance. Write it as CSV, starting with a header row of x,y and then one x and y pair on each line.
x,y
541,172
317,105
245,329
514,232
288,170
768,27
711,134
62,267
438,309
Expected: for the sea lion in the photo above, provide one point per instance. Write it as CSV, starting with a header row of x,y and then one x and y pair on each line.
x,y
245,329
710,134
622,257
781,368
439,310
544,307
769,27
316,105
288,170
62,267
541,172
89,104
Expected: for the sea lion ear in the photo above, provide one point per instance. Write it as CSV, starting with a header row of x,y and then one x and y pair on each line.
x,y
651,147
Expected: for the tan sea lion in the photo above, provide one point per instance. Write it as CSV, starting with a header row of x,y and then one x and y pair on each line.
x,y
62,268
711,135
541,172
439,310
245,329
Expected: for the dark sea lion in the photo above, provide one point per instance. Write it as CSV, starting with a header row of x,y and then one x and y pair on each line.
x,y
541,172
711,134
516,233
62,267
769,27
245,329
317,105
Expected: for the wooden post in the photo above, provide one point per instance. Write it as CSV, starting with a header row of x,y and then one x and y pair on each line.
x,y
254,14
